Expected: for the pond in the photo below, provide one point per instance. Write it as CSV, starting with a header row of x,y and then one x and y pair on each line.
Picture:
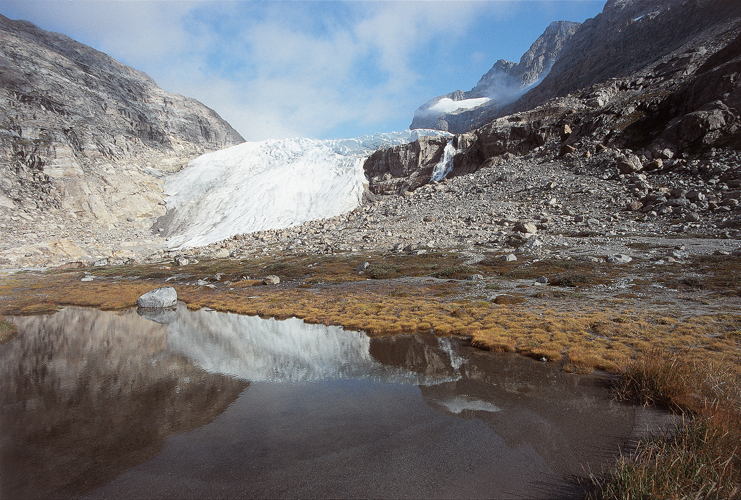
x,y
196,404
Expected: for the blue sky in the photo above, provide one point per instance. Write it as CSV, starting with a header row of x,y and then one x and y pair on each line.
x,y
307,68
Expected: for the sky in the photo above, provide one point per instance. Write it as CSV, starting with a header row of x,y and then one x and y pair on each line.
x,y
315,69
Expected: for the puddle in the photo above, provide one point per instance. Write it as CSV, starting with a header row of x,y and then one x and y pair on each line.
x,y
205,404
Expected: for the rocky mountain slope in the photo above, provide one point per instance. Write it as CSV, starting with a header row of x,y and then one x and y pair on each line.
x,y
505,82
679,102
83,140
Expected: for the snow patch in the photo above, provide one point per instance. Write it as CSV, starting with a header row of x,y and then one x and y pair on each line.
x,y
448,105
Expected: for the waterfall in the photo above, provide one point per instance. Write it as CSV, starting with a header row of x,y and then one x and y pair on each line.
x,y
445,165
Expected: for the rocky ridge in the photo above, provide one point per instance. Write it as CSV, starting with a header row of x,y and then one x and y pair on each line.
x,y
84,141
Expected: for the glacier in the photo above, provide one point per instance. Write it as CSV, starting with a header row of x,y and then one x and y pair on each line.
x,y
270,184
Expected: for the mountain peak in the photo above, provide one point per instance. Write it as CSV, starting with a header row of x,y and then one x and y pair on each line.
x,y
502,84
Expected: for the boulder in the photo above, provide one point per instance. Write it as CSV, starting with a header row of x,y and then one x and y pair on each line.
x,y
526,227
158,298
619,259
628,164
271,280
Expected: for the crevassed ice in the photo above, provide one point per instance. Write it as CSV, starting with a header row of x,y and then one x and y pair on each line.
x,y
270,184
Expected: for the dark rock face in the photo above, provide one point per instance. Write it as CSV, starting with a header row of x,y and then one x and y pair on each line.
x,y
502,84
78,129
404,168
627,37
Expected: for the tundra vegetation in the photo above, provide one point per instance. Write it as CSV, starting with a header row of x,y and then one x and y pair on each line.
x,y
679,349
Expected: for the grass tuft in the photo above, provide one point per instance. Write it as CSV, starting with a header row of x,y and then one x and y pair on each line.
x,y
7,331
701,458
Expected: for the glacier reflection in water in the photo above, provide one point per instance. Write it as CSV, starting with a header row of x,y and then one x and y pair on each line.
x,y
259,350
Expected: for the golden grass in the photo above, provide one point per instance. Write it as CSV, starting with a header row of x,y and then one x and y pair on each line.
x,y
699,459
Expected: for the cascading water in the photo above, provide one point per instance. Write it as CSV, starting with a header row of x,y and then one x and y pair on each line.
x,y
445,165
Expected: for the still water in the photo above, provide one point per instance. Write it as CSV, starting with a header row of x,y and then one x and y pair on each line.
x,y
200,404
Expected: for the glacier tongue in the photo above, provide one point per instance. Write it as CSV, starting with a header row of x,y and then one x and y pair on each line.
x,y
271,184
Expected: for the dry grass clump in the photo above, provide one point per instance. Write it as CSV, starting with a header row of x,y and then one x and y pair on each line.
x,y
7,330
702,457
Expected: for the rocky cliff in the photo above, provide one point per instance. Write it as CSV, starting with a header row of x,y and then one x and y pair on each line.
x,y
628,37
506,81
83,137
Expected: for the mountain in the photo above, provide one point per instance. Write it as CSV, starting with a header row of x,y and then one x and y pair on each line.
x,y
505,82
638,76
84,138
634,124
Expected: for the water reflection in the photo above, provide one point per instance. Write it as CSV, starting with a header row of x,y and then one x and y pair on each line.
x,y
87,394
256,349
115,405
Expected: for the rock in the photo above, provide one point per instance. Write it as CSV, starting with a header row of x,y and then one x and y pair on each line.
x,y
530,245
695,195
655,164
503,300
692,217
181,261
222,253
271,280
526,227
565,132
628,164
71,265
542,280
619,259
158,298
566,149
509,257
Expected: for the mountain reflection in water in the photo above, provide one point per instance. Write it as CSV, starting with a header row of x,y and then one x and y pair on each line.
x,y
109,404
